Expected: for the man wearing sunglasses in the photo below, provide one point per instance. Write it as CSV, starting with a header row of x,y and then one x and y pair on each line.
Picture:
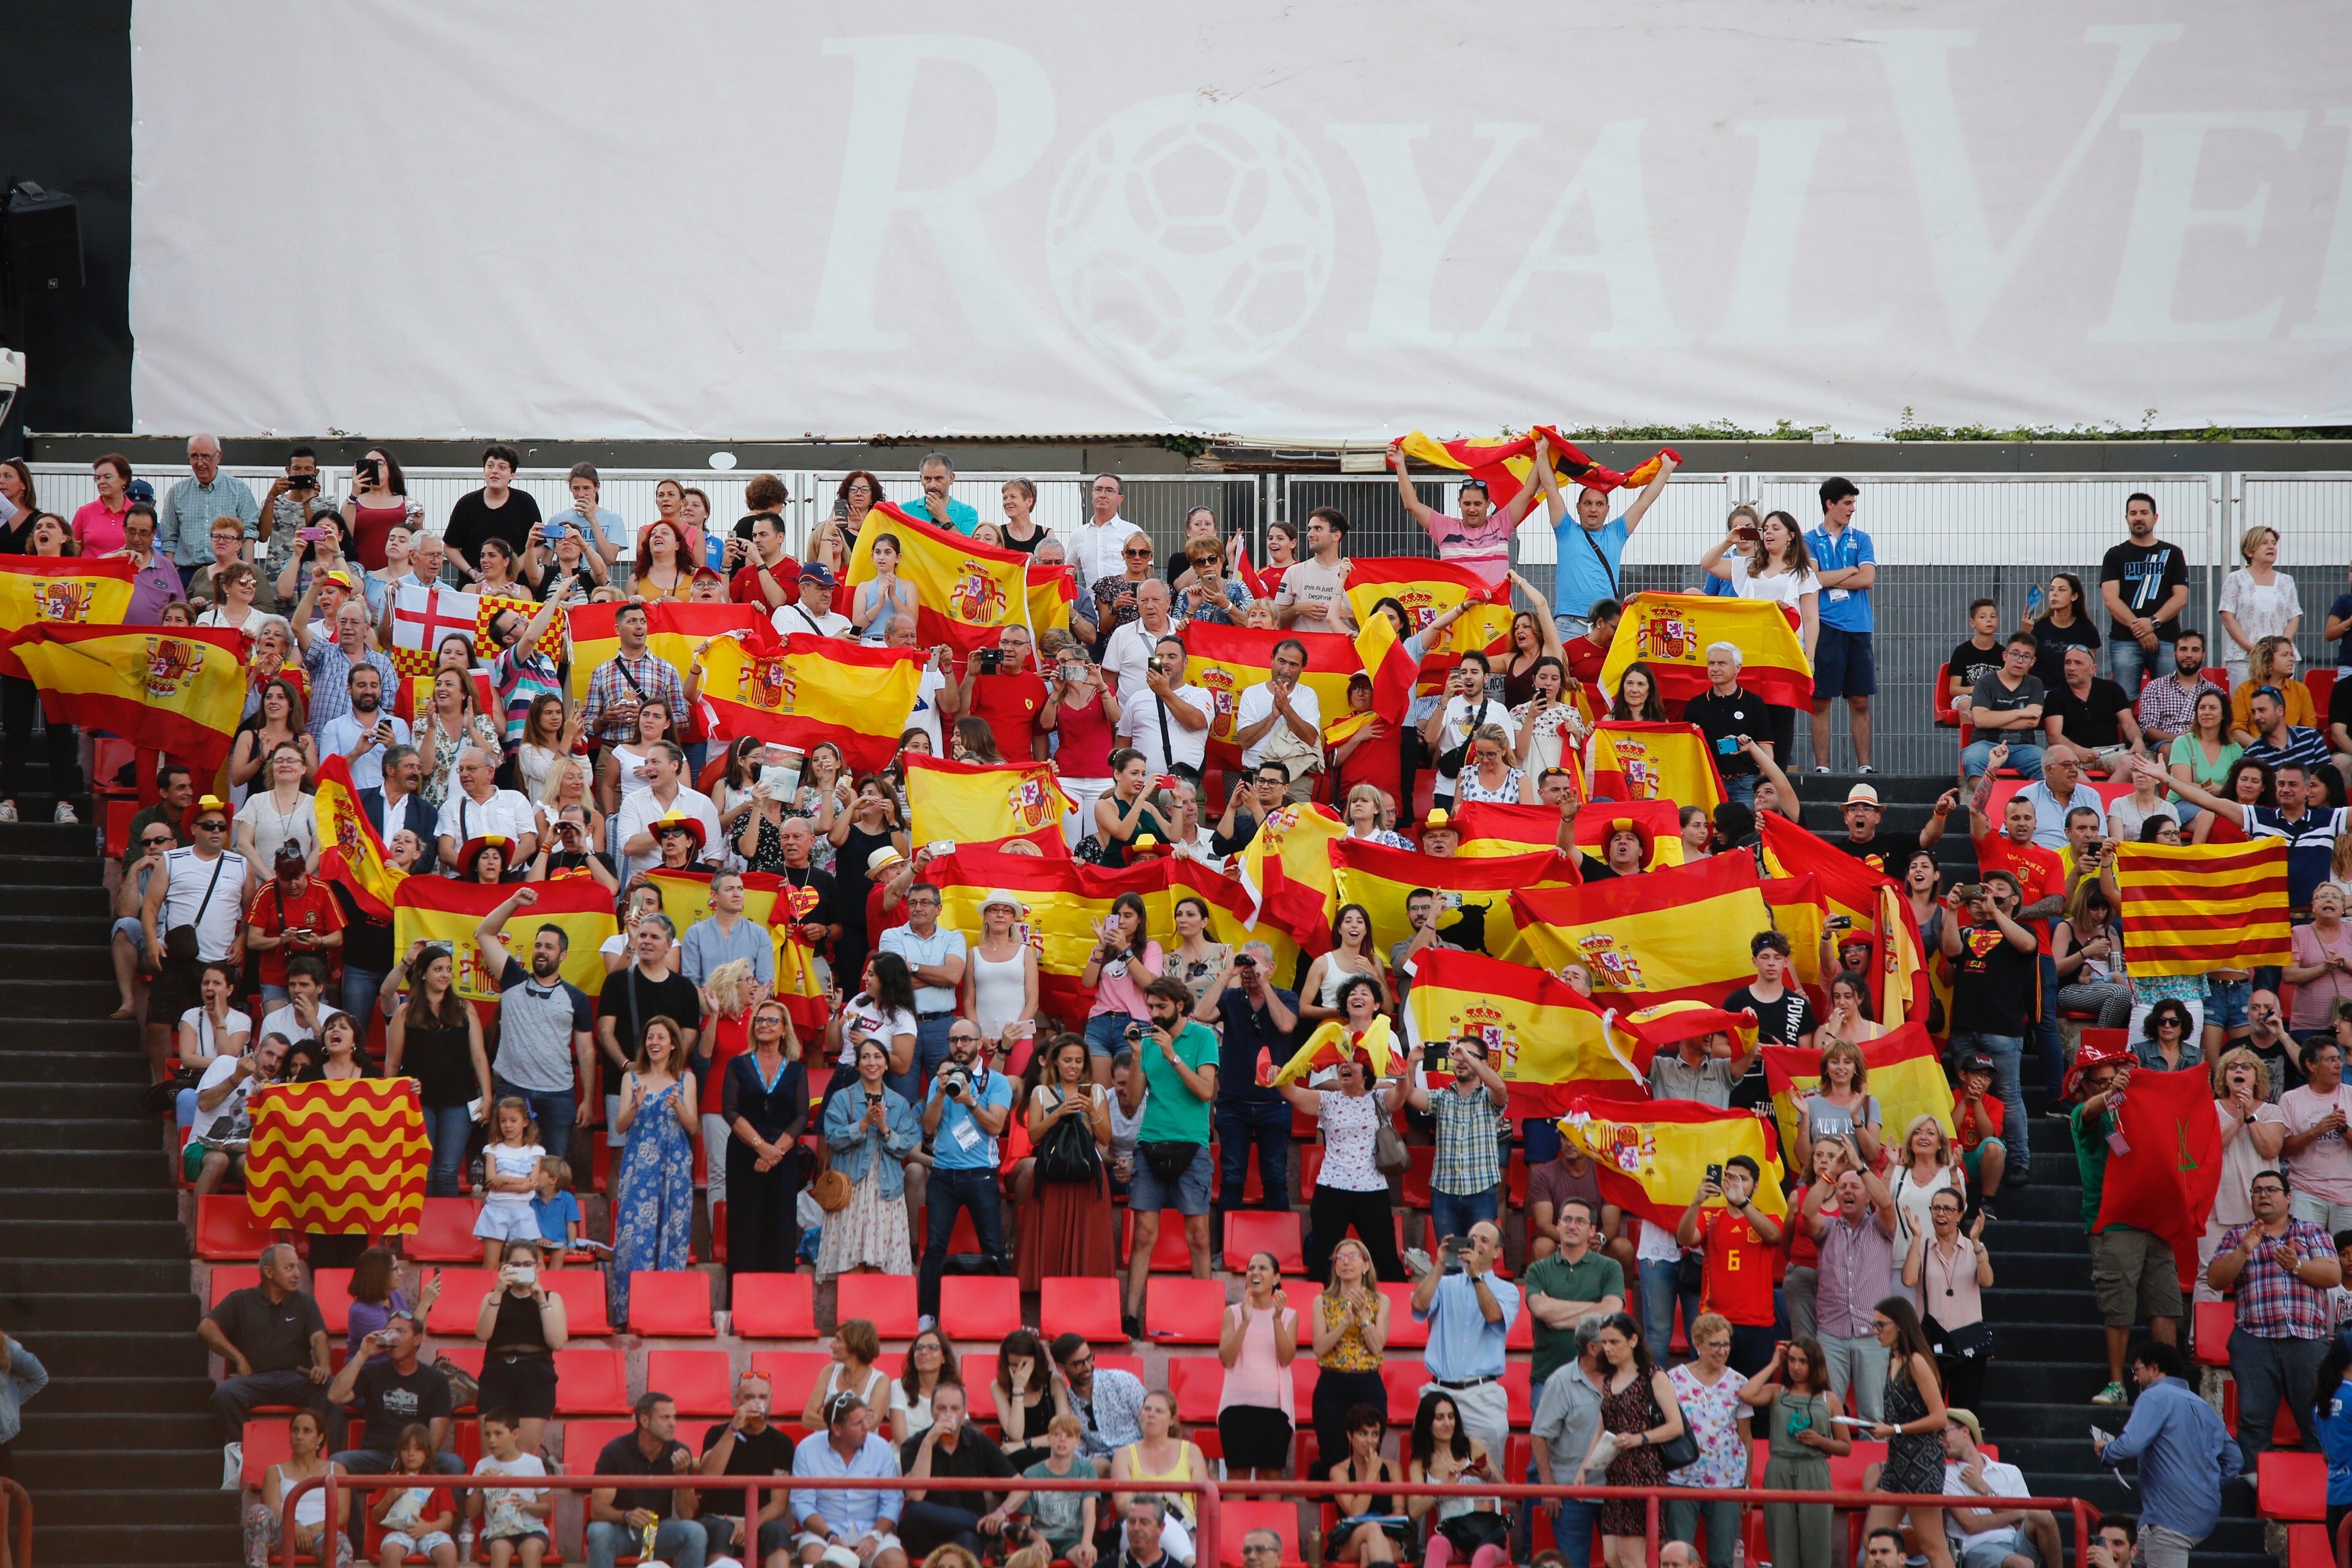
x,y
129,941
190,918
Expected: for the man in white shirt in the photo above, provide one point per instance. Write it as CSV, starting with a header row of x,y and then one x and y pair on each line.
x,y
813,611
1163,717
925,715
1313,593
1466,709
306,1011
361,735
1982,1537
669,792
1279,720
217,1142
935,957
1095,545
477,808
202,887
1128,653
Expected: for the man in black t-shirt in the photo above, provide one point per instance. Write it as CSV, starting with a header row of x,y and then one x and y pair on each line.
x,y
1725,714
617,1516
2144,582
496,510
1887,853
1783,1017
951,1448
273,1342
396,1392
1977,658
1996,990
2089,717
650,988
750,1445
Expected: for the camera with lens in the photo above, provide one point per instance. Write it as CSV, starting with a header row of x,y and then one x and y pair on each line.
x,y
987,660
954,1082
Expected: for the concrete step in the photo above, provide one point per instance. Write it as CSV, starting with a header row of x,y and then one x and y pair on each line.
x,y
91,1352
78,1000
97,1472
54,871
95,1274
23,1171
57,1205
35,1242
139,1396
126,1134
34,835
43,1032
78,1065
48,956
119,1100
34,1312
142,1545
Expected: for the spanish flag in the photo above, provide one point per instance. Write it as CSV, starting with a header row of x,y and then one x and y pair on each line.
x,y
1228,660
1670,633
435,909
1392,670
1286,865
801,689
985,804
63,590
1638,761
1506,465
1906,1074
1666,1025
1795,903
1426,589
672,631
1490,828
179,690
2196,907
1476,896
350,852
338,1158
1652,1155
964,589
1331,1044
1849,889
769,901
1550,1044
1680,934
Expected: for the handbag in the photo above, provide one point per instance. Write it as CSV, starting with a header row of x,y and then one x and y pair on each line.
x,y
1677,1453
1168,1159
1067,1154
180,941
831,1190
1389,1150
1967,1341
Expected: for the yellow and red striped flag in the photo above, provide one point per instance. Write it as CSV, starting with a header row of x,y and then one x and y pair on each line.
x,y
964,589
672,631
1670,633
1637,762
1426,589
180,689
435,909
350,851
1676,934
768,900
2192,907
1906,1074
982,804
1229,660
1550,1044
801,689
1494,828
338,1158
1506,465
1476,912
60,590
1652,1155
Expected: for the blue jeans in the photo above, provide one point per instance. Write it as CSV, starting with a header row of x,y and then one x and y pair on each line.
x,y
1681,1523
2024,755
2045,1028
361,988
447,1129
930,1047
1659,1288
1453,1214
1740,787
2127,661
949,1192
677,1542
2008,1054
1241,1124
1572,1531
552,1109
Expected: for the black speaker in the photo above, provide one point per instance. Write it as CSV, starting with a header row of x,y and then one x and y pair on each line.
x,y
44,242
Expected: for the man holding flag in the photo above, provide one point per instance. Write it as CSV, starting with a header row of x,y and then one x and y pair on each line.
x,y
547,1052
1589,545
2131,1270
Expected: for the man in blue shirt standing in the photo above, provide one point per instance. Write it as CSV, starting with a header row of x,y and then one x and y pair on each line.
x,y
2185,1454
184,521
1589,545
1469,1313
1848,569
937,505
963,1115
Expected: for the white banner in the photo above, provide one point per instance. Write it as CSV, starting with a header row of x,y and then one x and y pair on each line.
x,y
1320,220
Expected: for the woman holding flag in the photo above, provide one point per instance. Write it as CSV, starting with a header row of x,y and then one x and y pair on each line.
x,y
1351,1189
19,696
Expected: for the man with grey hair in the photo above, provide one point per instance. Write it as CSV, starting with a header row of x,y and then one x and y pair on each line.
x,y
938,506
1568,1413
1257,1016
1726,716
1151,1538
477,808
183,521
1127,653
1470,1311
272,1342
650,988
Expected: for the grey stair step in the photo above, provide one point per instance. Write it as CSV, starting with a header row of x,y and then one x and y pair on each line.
x,y
113,1134
48,840
98,1275
80,1065
38,1241
44,1031
79,1000
50,870
21,1170
48,955
120,1102
140,1397
142,1545
73,1470
193,1506
130,1313
62,1430
95,1205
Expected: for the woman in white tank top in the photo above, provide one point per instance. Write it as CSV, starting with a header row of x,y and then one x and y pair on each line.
x,y
1001,984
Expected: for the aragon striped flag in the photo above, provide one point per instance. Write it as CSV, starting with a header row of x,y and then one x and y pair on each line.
x,y
435,909
1676,934
1652,1155
2192,907
1550,1044
985,804
350,852
1638,761
338,1158
672,631
1906,1076
801,689
1671,633
180,689
63,590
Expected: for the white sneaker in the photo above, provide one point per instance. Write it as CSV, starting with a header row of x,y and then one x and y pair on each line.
x,y
64,816
7,811
1821,767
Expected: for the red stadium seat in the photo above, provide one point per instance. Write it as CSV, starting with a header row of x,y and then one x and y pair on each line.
x,y
886,1301
774,1306
2306,1544
794,1373
266,1443
1403,1380
1238,1518
2291,1485
225,1279
980,1308
1517,1384
462,1290
675,1301
1086,1306
1263,1230
583,1291
1405,1334
2214,1321
1846,1470
1184,1311
2283,1427
1198,1382
1304,1374
1521,1335
1416,1175
701,1382
1130,1365
445,1233
1169,1254
331,1289
583,1440
1310,1158
225,1228
1515,1182
1948,714
2320,683
591,1381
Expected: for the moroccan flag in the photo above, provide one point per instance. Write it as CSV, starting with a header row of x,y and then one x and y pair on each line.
x,y
2163,1172
1670,633
985,803
63,590
349,852
1427,589
672,631
1905,1073
1476,913
1229,660
1392,670
338,1158
1652,1155
768,900
803,688
1507,465
1550,1044
2204,905
1637,762
179,690
1490,827
1286,865
1679,934
435,909
964,589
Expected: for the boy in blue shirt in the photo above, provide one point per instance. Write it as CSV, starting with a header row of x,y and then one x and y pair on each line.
x,y
1847,567
557,1210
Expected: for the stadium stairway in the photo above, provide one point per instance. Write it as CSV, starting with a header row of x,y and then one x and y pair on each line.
x,y
120,1453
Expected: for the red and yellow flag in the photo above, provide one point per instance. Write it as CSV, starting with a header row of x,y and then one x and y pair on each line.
x,y
982,804
1652,1155
1426,589
1551,1045
1490,828
1637,762
772,901
435,909
1229,660
1392,670
338,1158
1666,1025
1905,1075
60,590
1330,1045
2164,1172
672,631
1288,865
1670,633
2196,907
964,589
350,852
1506,465
1676,934
180,689
801,689
1476,896
1848,889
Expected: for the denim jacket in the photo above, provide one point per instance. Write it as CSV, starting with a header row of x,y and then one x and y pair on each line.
x,y
20,1379
853,1147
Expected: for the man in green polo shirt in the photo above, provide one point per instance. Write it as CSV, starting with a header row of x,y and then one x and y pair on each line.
x,y
2132,1272
1175,1081
1568,1284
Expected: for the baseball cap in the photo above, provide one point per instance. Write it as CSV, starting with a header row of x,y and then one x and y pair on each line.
x,y
1976,1061
1862,795
818,574
709,571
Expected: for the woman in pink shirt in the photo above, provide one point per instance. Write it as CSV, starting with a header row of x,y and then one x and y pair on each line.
x,y
98,527
2321,967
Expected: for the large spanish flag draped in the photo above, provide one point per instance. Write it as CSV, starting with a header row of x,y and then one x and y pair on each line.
x,y
1637,762
672,631
2164,1181
1847,886
768,900
180,689
1550,1044
2196,907
1904,1074
801,689
60,590
1476,913
1506,465
1228,660
338,1158
964,589
435,909
1491,827
350,852
1680,934
1427,589
1795,903
1651,1155
985,804
1670,633
1286,865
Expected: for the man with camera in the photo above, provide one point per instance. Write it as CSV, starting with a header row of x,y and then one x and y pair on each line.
x,y
566,849
1260,1020
1000,689
1176,1069
546,1043
1128,653
1466,1180
364,736
1469,1312
1447,732
963,1115
764,575
283,512
396,1391
1164,718
1737,1241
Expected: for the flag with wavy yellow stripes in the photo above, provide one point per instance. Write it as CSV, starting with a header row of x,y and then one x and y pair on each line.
x,y
338,1158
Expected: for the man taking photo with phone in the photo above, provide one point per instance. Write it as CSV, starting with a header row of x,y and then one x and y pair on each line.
x,y
363,735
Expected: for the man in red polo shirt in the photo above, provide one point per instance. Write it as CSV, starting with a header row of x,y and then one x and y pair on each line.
x,y
1739,1240
1007,698
293,914
771,578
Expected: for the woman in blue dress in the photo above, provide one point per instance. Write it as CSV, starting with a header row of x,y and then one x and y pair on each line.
x,y
652,1198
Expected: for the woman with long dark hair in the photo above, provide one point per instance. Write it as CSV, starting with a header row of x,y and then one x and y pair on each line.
x,y
437,1037
19,697
1914,1428
1440,1452
1780,572
1795,1390
378,501
2064,622
1069,1228
1638,1413
1637,700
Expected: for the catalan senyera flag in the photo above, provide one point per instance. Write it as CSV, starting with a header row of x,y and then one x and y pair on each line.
x,y
964,589
180,689
985,804
1637,762
1507,465
338,1158
772,901
1905,1073
1670,633
2164,1182
672,631
1476,913
1651,1155
1427,589
1228,660
435,909
350,852
1550,1044
801,689
60,590
2195,907
1675,934
1286,864
1490,827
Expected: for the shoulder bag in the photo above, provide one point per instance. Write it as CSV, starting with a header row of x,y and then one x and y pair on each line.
x,y
1678,1452
180,941
1067,1154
